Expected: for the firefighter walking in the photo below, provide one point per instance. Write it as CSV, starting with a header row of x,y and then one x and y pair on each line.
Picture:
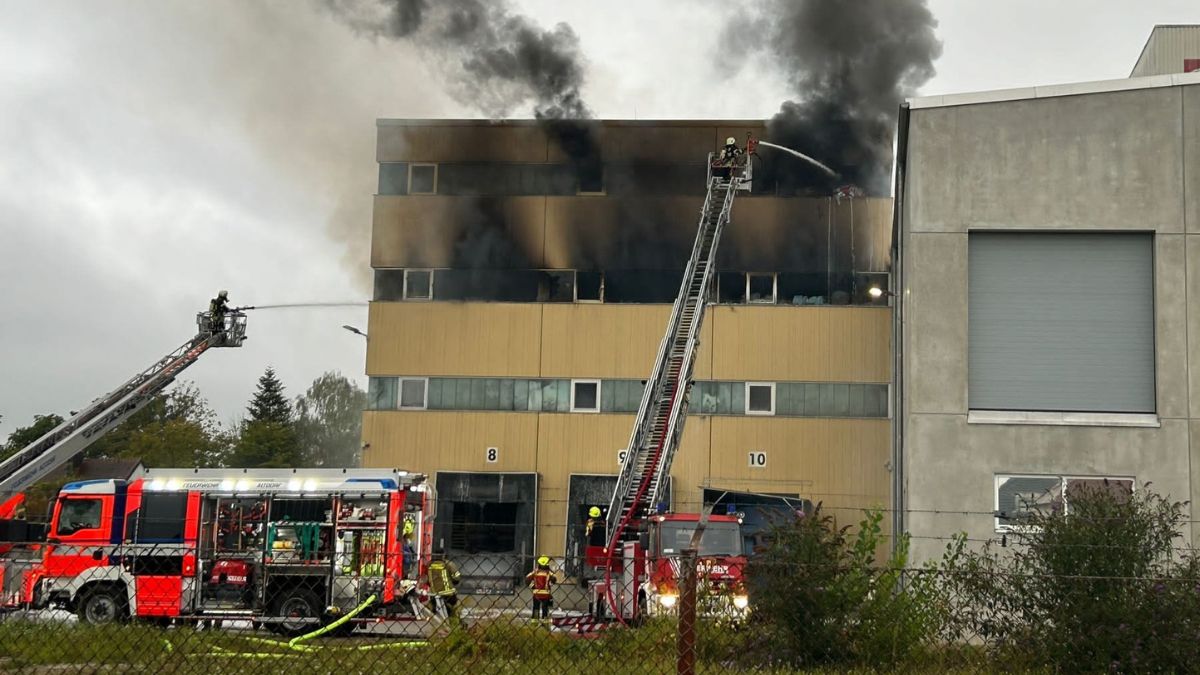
x,y
443,575
541,580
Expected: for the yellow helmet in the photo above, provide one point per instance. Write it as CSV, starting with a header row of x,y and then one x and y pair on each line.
x,y
594,512
544,561
731,141
408,527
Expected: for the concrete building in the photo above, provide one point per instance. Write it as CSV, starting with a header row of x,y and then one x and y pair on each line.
x,y
1169,50
520,297
1048,303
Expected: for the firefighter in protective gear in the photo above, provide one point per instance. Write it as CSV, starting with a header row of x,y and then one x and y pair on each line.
x,y
593,530
731,152
218,307
443,575
541,580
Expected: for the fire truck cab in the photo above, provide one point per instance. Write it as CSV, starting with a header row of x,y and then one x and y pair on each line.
x,y
284,548
645,581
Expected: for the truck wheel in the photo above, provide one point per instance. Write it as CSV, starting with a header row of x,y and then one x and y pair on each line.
x,y
101,605
292,609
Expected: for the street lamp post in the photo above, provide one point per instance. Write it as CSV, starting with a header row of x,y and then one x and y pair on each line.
x,y
356,331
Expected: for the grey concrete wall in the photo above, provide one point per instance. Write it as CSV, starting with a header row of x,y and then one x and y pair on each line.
x,y
1126,160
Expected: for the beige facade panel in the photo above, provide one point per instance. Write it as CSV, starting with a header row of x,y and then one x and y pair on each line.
x,y
428,442
812,344
427,231
454,339
461,142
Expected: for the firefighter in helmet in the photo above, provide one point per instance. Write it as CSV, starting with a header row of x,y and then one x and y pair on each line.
x,y
541,580
218,307
731,152
443,575
593,530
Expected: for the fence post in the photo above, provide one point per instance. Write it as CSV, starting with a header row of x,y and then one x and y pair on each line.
x,y
685,662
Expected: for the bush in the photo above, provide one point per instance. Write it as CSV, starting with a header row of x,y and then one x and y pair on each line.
x,y
821,597
1096,586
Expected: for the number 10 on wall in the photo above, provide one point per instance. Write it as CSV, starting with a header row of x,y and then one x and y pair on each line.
x,y
758,459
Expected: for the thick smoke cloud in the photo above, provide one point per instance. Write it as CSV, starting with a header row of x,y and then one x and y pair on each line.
x,y
849,65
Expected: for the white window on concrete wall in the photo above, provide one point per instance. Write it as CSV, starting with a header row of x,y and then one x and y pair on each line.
x,y
412,393
760,398
585,396
1019,497
1061,322
422,179
418,284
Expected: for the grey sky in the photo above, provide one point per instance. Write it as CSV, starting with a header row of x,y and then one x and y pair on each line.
x,y
155,151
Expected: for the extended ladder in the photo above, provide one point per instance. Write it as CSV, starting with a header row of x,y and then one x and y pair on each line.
x,y
55,448
659,424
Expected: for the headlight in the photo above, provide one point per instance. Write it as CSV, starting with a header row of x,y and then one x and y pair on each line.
x,y
668,601
741,601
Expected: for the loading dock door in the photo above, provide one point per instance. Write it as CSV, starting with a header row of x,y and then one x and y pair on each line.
x,y
583,492
485,523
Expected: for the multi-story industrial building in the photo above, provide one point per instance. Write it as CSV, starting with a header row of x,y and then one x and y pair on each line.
x,y
520,297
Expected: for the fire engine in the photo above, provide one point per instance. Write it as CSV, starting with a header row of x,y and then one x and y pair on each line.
x,y
638,560
284,548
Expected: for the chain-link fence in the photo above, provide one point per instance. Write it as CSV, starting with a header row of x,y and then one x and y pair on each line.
x,y
164,609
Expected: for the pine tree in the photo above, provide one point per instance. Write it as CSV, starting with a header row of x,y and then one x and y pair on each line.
x,y
269,403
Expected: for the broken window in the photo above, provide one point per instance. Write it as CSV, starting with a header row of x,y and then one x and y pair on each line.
x,y
418,284
422,179
760,398
1020,497
412,393
585,395
591,178
760,288
731,287
556,286
589,286
389,284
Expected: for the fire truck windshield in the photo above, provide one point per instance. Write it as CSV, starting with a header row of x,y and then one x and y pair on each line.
x,y
718,539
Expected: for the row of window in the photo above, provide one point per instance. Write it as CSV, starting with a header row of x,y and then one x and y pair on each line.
x,y
791,399
1018,497
766,288
495,178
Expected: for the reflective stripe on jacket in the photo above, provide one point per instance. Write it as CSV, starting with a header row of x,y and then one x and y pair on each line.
x,y
540,581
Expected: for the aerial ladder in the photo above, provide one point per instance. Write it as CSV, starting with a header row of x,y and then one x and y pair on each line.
x,y
57,447
646,468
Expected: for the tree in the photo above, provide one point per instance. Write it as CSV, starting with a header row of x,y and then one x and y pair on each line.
x,y
268,438
269,402
23,436
329,421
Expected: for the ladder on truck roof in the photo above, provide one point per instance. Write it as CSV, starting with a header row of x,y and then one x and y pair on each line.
x,y
61,444
658,427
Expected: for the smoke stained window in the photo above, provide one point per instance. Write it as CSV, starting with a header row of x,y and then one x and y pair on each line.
x,y
389,284
591,179
731,287
760,288
418,284
422,179
556,286
381,393
393,178
585,395
760,398
589,286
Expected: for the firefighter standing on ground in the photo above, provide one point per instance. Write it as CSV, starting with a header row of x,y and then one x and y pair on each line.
x,y
540,581
443,575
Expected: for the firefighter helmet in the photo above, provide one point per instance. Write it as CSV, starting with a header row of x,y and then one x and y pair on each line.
x,y
731,141
408,527
594,512
224,295
543,561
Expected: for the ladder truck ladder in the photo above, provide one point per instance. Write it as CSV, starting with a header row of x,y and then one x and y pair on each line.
x,y
659,424
73,436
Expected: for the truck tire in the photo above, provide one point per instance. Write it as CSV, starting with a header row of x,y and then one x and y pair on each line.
x,y
293,604
101,605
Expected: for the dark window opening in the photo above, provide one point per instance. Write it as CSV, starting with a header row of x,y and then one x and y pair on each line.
x,y
418,284
389,285
591,178
162,517
642,286
761,288
589,286
78,514
585,396
803,289
487,285
760,399
422,179
731,287
393,178
483,527
556,286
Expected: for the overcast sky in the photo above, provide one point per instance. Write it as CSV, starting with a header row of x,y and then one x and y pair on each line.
x,y
153,152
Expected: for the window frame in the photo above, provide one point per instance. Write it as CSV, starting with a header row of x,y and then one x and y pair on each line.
x,y
400,393
575,409
98,499
764,413
413,165
404,293
1062,478
774,288
579,191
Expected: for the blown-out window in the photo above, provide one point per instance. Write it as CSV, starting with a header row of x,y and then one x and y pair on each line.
x,y
1020,497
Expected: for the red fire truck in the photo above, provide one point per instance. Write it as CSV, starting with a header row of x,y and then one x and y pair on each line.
x,y
284,548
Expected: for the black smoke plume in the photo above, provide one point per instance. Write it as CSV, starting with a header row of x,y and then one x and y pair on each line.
x,y
849,64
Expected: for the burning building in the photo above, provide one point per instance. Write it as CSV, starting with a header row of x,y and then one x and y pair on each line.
x,y
524,273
